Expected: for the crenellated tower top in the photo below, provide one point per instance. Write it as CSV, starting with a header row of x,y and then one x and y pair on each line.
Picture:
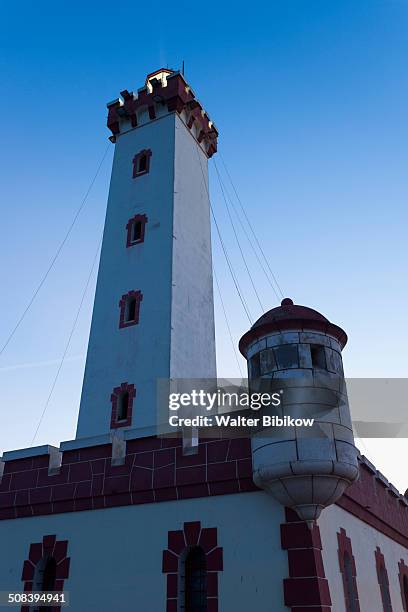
x,y
165,91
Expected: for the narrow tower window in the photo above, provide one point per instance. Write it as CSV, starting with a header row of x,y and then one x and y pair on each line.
x,y
122,405
195,581
141,163
136,230
130,308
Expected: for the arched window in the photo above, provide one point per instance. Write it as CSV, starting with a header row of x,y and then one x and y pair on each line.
x,y
351,594
195,576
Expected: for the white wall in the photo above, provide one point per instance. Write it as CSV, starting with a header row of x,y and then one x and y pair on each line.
x,y
364,541
116,554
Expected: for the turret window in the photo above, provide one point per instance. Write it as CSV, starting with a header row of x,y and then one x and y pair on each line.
x,y
129,305
122,405
318,355
287,356
136,230
141,163
254,366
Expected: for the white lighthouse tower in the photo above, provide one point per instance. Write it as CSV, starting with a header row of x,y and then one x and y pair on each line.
x,y
153,314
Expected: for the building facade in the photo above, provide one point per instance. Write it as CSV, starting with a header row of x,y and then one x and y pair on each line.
x,y
121,518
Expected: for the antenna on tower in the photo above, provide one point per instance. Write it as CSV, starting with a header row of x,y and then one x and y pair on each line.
x,y
182,68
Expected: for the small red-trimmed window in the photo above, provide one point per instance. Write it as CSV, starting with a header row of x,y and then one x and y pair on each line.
x,y
129,306
122,405
136,228
141,163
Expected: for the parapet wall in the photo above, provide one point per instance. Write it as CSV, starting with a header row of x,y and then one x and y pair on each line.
x,y
154,470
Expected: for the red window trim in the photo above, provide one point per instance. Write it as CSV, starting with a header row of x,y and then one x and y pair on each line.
x,y
192,535
136,159
380,564
403,572
123,388
345,547
129,226
57,549
122,305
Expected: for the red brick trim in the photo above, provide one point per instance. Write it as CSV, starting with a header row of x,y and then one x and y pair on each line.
x,y
373,502
179,542
403,575
155,470
381,568
56,549
344,549
142,219
116,393
138,295
136,160
307,586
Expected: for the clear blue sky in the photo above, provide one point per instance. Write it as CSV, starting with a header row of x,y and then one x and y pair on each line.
x,y
310,99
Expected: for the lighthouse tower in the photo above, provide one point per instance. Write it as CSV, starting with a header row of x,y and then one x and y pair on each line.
x,y
153,315
296,350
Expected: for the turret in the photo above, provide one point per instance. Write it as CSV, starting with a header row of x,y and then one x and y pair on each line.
x,y
296,351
